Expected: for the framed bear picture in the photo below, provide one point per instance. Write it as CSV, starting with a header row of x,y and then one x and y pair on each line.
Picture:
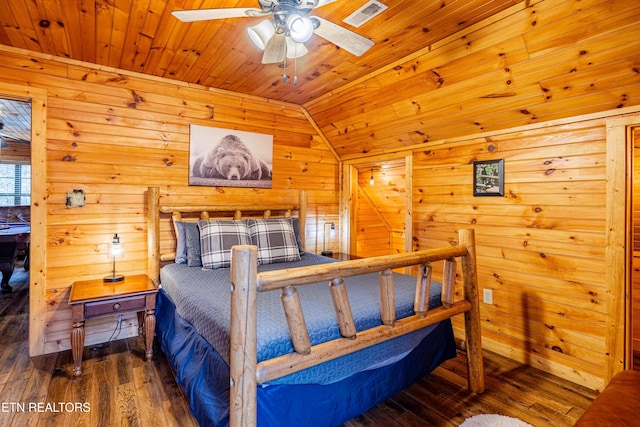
x,y
229,158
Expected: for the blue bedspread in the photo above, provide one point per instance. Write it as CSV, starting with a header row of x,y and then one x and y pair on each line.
x,y
204,376
202,297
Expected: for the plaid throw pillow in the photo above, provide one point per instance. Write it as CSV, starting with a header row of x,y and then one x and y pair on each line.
x,y
216,240
275,240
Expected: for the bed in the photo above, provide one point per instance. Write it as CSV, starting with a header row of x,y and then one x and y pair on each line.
x,y
263,333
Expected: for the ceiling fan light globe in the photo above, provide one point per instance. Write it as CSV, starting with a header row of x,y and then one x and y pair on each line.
x,y
261,33
300,28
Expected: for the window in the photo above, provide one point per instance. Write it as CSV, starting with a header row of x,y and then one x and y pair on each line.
x,y
15,184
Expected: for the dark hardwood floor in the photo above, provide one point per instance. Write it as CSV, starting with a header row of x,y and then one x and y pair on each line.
x,y
118,388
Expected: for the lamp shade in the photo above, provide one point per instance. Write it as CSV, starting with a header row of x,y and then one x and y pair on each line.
x,y
261,33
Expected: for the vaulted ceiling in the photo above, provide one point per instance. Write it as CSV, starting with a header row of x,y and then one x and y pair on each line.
x,y
144,36
439,69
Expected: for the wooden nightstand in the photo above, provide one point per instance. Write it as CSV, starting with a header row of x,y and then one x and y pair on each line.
x,y
94,298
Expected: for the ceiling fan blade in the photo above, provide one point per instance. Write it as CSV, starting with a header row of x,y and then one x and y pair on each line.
x,y
340,36
222,13
324,2
14,138
275,49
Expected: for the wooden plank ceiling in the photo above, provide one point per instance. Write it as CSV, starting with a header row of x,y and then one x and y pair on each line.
x,y
143,36
439,69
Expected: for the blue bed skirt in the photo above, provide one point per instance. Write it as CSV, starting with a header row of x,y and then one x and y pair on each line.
x,y
204,377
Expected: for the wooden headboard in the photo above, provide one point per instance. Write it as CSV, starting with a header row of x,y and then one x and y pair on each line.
x,y
155,208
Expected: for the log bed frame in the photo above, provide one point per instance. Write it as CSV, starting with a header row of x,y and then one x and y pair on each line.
x,y
246,373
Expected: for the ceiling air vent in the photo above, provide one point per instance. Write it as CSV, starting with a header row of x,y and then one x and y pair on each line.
x,y
367,12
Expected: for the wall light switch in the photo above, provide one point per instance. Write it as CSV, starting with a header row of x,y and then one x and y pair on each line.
x,y
487,296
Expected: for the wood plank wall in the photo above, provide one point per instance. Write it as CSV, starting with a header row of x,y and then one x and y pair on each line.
x,y
541,247
112,134
373,231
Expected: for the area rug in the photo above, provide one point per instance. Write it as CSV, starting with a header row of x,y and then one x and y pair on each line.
x,y
493,420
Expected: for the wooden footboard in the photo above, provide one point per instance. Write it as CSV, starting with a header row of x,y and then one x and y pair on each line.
x,y
246,373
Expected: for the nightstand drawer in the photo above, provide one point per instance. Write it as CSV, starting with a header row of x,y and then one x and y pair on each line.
x,y
135,303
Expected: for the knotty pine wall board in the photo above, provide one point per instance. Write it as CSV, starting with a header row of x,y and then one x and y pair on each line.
x,y
541,247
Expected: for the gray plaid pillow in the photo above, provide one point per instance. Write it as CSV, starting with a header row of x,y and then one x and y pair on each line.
x,y
275,240
216,240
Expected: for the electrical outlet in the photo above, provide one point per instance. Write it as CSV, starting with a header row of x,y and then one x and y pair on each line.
x,y
487,296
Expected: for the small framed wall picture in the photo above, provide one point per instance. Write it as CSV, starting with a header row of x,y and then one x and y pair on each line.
x,y
488,178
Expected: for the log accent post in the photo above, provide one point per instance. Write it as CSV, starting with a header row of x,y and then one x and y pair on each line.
x,y
343,308
237,215
387,298
423,290
244,325
204,215
153,234
267,214
295,320
448,281
472,324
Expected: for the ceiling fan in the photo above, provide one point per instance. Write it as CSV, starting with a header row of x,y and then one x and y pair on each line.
x,y
284,33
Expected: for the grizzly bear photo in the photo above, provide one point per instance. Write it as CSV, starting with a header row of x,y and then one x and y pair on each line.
x,y
231,159
221,157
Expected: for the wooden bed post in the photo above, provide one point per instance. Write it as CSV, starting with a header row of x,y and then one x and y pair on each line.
x,y
244,325
153,234
472,317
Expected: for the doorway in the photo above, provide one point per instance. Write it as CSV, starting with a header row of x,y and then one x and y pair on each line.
x,y
15,195
37,98
379,208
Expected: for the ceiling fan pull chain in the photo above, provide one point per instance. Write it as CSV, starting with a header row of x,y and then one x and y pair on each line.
x,y
284,67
